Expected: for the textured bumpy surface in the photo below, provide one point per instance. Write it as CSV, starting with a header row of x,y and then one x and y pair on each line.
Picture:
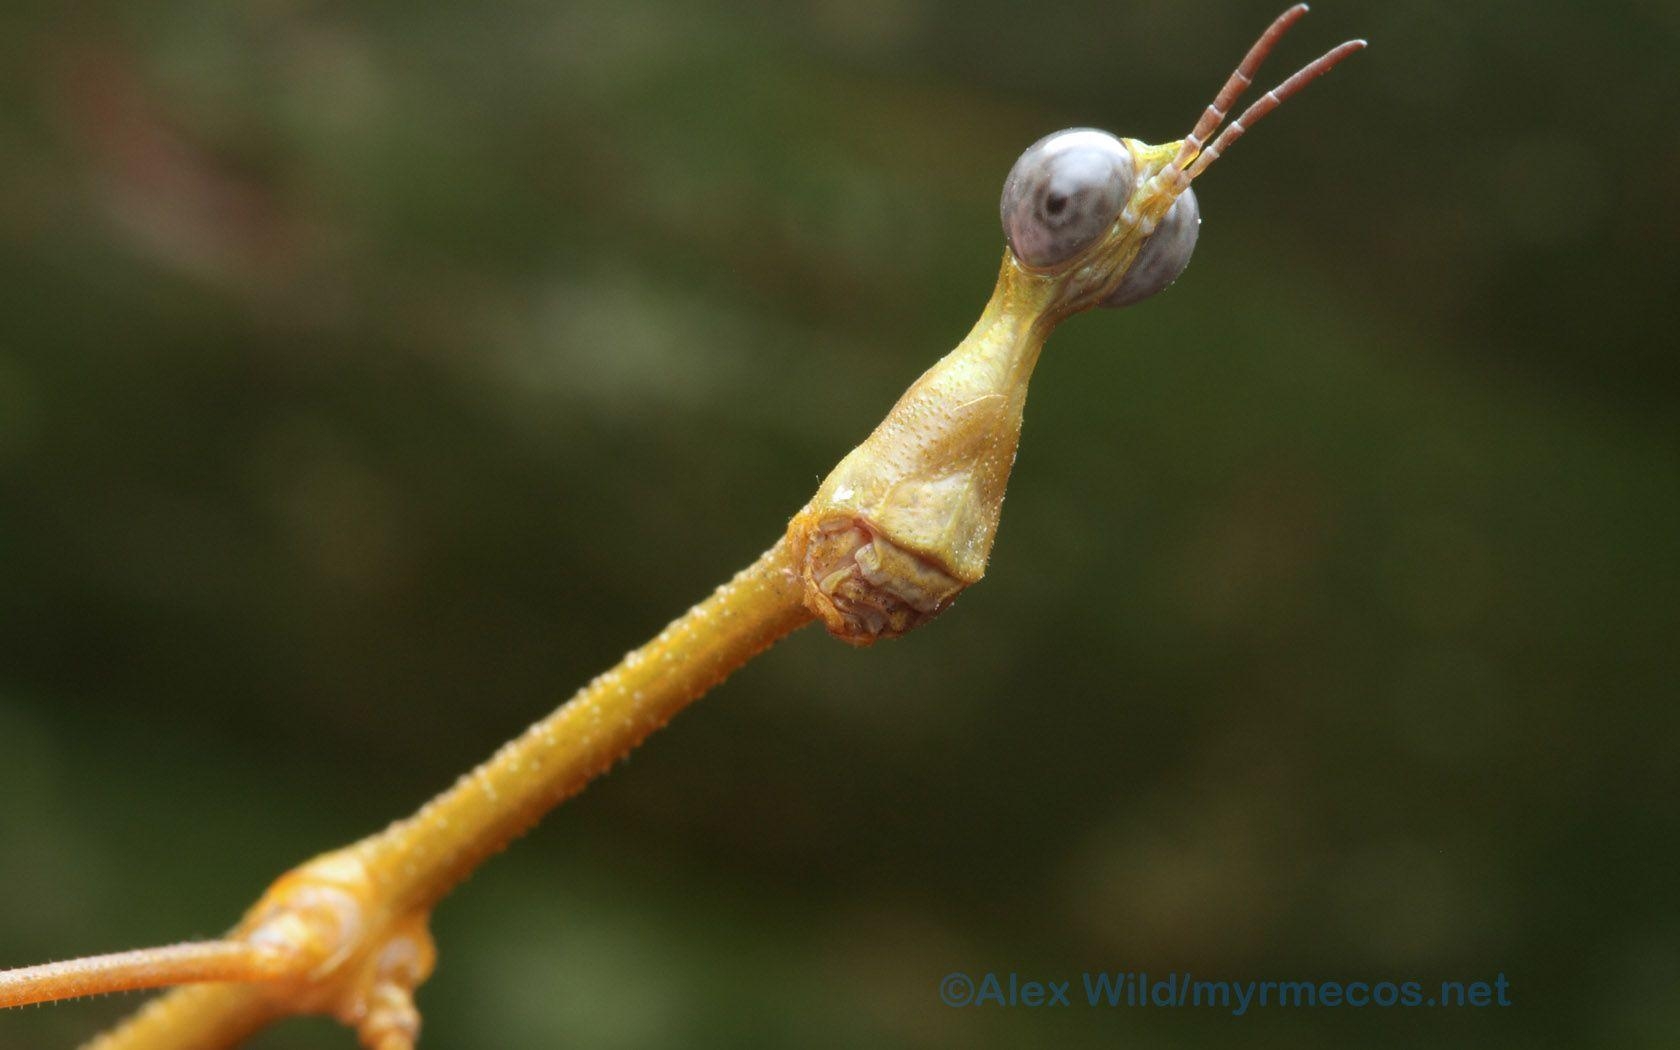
x,y
902,525
353,922
907,519
864,586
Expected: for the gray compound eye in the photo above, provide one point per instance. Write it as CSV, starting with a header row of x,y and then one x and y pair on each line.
x,y
1065,192
1164,255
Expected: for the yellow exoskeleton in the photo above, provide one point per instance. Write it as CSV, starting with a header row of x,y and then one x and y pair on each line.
x,y
902,525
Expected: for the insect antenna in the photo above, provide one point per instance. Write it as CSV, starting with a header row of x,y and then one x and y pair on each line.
x,y
1235,85
1269,101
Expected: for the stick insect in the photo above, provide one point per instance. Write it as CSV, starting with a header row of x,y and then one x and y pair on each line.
x,y
900,527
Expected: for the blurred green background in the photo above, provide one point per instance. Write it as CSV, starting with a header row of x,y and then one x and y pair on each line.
x,y
373,375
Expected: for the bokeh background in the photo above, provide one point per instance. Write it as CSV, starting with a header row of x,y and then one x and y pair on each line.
x,y
373,375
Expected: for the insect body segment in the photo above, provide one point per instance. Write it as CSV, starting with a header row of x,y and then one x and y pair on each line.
x,y
906,521
1050,201
896,531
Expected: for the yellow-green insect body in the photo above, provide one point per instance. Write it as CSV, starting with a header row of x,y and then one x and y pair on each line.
x,y
907,520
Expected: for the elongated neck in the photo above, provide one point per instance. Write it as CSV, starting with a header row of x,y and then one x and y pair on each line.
x,y
941,457
906,520
998,355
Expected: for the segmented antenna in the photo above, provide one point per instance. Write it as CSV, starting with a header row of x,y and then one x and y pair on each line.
x,y
1192,159
1239,81
1271,100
